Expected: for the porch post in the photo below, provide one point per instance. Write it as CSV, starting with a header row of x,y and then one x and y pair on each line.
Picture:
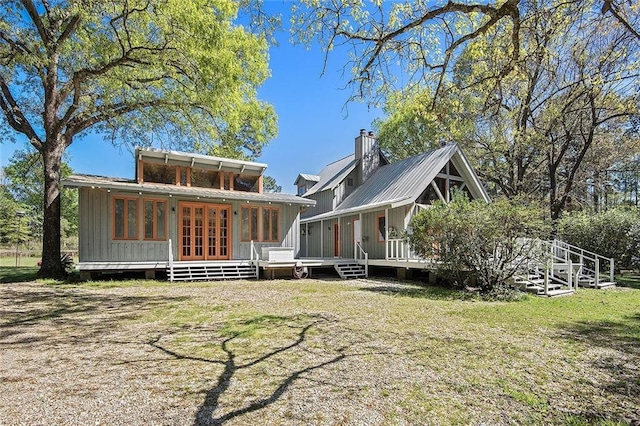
x,y
306,239
386,233
321,238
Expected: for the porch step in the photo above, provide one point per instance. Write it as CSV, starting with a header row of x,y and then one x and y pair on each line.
x,y
557,293
590,282
349,270
209,271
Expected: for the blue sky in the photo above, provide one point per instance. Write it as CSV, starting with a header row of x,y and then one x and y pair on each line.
x,y
315,127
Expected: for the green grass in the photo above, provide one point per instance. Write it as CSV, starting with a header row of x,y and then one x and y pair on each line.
x,y
22,262
409,354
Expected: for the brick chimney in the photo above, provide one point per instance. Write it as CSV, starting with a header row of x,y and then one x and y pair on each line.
x,y
368,153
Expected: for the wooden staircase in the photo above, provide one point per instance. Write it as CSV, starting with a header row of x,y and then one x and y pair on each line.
x,y
566,267
350,270
533,282
212,270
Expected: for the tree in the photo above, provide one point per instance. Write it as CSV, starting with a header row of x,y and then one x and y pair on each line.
x,y
178,72
14,219
415,43
533,132
270,185
25,181
474,238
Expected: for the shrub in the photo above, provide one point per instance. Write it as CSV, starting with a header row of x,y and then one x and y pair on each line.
x,y
614,233
476,239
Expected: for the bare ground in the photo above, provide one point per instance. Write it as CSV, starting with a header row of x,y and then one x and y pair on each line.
x,y
310,352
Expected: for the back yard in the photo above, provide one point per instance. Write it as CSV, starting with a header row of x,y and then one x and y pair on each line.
x,y
313,352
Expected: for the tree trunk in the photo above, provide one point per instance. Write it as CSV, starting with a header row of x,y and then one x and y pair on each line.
x,y
52,158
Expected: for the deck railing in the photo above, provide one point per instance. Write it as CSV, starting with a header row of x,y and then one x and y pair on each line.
x,y
567,251
399,249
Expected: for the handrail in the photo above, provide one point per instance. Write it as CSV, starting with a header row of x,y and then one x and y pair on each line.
x,y
170,261
256,261
360,252
562,251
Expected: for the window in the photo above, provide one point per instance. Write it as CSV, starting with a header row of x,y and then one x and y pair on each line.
x,y
159,173
349,181
246,183
270,224
249,223
205,178
155,220
125,212
381,229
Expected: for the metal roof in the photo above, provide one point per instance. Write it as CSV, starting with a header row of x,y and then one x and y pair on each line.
x,y
307,177
394,184
332,174
120,184
208,161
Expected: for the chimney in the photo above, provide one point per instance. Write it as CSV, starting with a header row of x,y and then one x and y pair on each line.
x,y
367,152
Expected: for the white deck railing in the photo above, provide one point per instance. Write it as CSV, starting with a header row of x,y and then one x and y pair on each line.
x,y
399,249
567,251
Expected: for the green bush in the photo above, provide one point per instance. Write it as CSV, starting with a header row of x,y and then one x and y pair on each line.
x,y
614,233
473,239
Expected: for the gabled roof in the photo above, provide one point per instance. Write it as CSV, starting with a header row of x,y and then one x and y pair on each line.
x,y
401,183
332,174
307,177
120,184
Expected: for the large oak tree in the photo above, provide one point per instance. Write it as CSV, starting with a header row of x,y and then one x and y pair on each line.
x,y
179,72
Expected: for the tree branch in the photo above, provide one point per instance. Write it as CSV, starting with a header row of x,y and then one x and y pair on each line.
x,y
15,116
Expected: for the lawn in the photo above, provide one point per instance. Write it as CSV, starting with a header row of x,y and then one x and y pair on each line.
x,y
314,352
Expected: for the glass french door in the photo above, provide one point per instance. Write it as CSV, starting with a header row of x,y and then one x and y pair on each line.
x,y
205,231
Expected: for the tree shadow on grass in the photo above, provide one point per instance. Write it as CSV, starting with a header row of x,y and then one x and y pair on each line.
x,y
23,309
13,274
432,292
211,410
617,355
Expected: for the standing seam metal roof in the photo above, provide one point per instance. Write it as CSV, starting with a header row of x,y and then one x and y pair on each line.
x,y
406,178
332,174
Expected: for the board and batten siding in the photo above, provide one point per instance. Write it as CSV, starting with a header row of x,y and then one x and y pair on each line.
x,y
324,203
96,243
95,221
398,218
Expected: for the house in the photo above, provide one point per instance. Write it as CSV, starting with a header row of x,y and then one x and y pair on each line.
x,y
364,204
194,216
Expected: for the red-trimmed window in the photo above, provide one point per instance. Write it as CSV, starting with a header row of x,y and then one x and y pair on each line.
x,y
155,219
270,224
249,223
125,218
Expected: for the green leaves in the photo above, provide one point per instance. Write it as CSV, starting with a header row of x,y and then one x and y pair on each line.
x,y
473,238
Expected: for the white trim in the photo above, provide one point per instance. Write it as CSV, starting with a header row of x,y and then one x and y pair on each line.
x,y
392,204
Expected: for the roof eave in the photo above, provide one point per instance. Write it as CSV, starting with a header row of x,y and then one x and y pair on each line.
x,y
187,192
390,204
